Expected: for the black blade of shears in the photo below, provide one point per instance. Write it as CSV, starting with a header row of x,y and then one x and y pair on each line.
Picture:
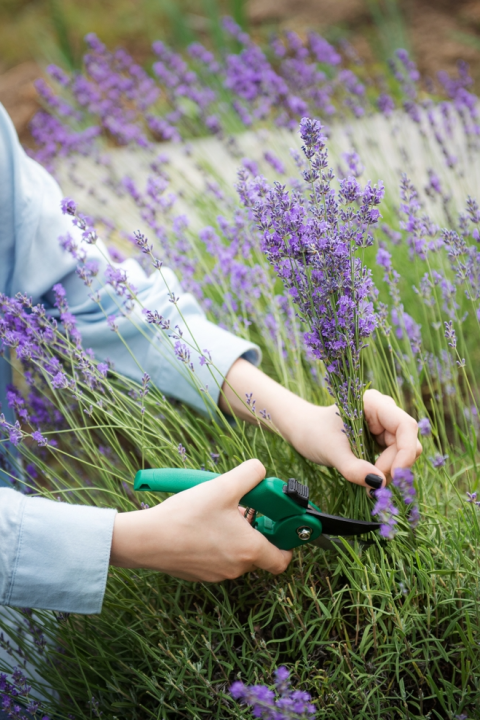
x,y
336,525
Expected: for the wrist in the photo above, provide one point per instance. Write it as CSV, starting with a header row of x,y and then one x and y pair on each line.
x,y
130,539
304,420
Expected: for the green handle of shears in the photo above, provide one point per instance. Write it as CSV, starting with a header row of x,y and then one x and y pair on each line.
x,y
283,517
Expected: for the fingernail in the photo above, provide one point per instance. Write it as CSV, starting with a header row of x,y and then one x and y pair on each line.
x,y
373,494
374,481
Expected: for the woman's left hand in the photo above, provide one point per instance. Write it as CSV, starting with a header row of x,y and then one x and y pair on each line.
x,y
319,436
317,432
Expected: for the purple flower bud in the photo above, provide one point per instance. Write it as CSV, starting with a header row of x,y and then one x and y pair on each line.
x,y
60,381
424,426
386,512
438,460
39,438
68,206
15,433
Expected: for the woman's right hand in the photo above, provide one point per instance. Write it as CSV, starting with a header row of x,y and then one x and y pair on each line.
x,y
199,534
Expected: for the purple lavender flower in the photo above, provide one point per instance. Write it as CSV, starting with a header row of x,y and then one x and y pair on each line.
x,y
15,433
438,460
39,438
89,234
403,481
471,497
386,104
59,381
424,426
17,689
68,206
250,166
17,403
274,162
450,334
322,50
182,452
155,318
386,512
183,353
354,163
283,703
87,271
112,323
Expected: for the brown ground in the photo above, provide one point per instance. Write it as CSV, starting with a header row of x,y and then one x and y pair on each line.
x,y
18,94
439,31
436,28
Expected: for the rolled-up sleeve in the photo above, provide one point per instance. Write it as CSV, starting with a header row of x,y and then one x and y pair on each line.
x,y
53,555
31,225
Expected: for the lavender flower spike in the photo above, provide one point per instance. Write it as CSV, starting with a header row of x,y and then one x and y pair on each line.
x,y
403,480
386,512
282,704
424,426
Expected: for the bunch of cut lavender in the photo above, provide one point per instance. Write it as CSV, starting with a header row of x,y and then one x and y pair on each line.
x,y
283,703
313,240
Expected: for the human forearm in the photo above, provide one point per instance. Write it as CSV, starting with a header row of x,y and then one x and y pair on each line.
x,y
286,410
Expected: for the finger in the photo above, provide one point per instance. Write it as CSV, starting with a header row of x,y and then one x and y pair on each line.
x,y
385,460
375,403
360,472
238,482
406,457
270,558
385,439
391,458
383,415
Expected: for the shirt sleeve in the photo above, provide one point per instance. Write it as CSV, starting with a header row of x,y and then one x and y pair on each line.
x,y
32,224
53,555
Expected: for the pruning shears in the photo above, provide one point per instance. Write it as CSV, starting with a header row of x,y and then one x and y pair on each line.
x,y
288,518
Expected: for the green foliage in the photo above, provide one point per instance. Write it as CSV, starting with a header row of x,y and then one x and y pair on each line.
x,y
62,32
391,28
388,631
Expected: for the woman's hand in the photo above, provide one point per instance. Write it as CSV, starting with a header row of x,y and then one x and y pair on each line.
x,y
199,534
319,437
316,432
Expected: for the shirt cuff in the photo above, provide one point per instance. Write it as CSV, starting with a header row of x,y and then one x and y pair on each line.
x,y
62,557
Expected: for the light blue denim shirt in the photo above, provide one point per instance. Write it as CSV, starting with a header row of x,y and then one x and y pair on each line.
x,y
54,555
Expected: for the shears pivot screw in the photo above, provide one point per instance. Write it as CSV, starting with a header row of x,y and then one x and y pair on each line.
x,y
304,532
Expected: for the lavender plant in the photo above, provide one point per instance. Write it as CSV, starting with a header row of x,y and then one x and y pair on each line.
x,y
389,630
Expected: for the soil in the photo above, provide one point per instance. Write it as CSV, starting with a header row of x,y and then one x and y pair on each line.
x,y
18,95
439,32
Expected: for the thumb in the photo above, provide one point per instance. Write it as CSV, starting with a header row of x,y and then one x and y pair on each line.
x,y
238,482
361,472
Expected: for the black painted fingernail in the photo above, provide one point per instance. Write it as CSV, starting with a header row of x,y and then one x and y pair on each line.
x,y
374,481
373,494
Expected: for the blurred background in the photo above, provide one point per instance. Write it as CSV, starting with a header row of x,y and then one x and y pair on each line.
x,y
34,33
